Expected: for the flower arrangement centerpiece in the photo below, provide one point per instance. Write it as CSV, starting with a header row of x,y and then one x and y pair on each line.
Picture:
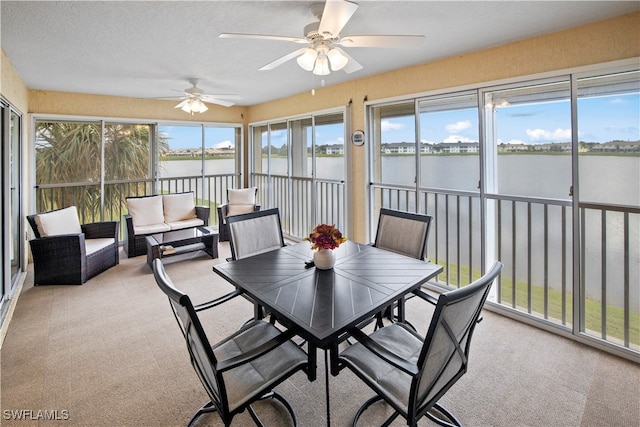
x,y
325,238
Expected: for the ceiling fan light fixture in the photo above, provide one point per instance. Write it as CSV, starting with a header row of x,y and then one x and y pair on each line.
x,y
192,105
322,66
308,59
337,59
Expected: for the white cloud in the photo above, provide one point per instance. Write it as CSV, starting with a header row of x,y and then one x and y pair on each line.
x,y
458,126
386,125
618,101
224,144
546,135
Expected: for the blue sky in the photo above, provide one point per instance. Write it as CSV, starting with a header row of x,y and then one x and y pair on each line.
x,y
600,119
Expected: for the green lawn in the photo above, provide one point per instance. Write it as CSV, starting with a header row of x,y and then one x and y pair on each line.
x,y
593,309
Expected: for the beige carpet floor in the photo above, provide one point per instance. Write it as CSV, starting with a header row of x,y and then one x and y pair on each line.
x,y
109,353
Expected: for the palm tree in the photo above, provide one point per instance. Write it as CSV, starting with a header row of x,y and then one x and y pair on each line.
x,y
71,153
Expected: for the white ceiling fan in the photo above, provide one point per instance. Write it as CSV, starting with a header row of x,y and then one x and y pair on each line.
x,y
193,99
324,52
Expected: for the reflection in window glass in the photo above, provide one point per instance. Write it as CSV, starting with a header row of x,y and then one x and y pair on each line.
x,y
531,132
449,143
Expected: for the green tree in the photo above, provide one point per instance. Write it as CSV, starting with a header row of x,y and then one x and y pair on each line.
x,y
71,152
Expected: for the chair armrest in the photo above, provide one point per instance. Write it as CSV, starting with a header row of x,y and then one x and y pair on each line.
x,y
222,213
216,302
105,229
254,353
66,249
383,353
425,296
203,213
128,219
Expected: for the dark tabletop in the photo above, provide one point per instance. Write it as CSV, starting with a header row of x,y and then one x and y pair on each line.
x,y
322,305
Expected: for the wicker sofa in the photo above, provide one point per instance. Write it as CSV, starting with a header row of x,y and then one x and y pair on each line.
x,y
67,253
159,214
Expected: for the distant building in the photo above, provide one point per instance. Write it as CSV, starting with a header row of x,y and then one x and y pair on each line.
x,y
334,149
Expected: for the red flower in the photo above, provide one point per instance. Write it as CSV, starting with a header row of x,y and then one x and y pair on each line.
x,y
326,237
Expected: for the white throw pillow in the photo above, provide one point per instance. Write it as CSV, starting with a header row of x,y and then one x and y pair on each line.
x,y
178,207
242,196
62,221
145,210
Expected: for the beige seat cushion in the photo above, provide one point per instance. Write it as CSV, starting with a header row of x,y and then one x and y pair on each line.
x,y
185,223
178,207
145,211
94,245
152,228
62,221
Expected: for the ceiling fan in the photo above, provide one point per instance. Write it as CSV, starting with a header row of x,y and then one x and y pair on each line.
x,y
194,98
324,52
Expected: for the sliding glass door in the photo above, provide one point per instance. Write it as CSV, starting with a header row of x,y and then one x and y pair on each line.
x,y
11,213
298,166
542,174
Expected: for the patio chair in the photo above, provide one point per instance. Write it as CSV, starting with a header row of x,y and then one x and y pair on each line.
x,y
411,373
252,234
66,252
255,233
405,233
239,201
242,368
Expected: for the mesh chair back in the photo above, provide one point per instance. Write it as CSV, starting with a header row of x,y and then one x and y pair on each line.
x,y
255,233
202,357
403,232
444,356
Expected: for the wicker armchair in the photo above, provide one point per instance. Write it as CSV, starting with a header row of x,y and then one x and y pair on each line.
x,y
239,201
72,259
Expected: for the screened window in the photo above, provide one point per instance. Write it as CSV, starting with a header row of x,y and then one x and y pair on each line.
x,y
529,128
449,142
394,141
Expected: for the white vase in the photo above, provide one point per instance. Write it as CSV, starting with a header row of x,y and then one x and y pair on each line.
x,y
324,259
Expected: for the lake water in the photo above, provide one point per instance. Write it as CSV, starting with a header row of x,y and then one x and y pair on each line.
x,y
603,179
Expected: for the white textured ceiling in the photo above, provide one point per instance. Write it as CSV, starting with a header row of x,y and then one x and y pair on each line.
x,y
149,49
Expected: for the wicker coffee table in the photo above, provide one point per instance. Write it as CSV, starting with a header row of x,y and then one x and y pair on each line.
x,y
178,242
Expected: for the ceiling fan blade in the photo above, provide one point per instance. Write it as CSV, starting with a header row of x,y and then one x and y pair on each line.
x,y
352,65
401,42
182,104
262,37
216,96
211,100
282,60
335,16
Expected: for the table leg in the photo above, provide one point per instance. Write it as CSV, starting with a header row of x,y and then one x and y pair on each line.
x,y
326,385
